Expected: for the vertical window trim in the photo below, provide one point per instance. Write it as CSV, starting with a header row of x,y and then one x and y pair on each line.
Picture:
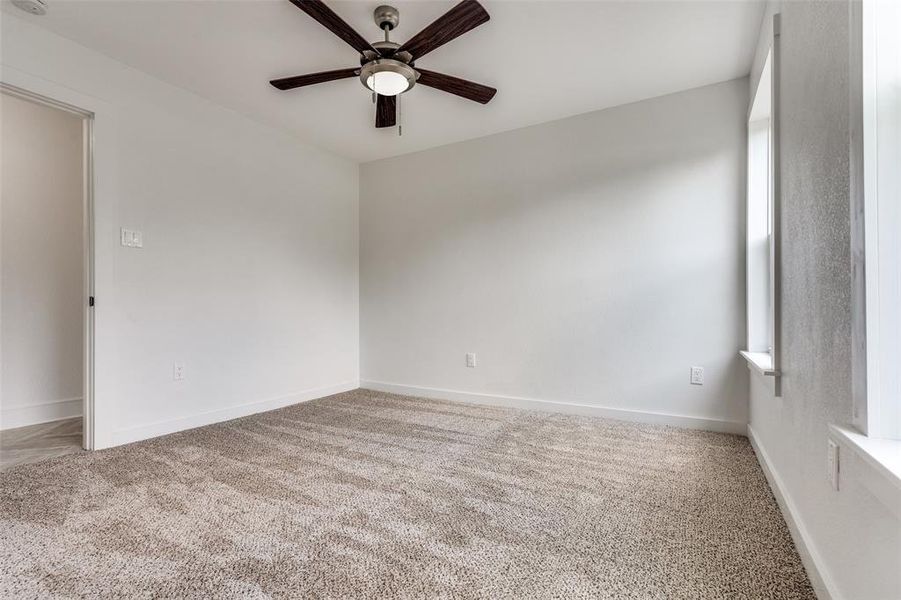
x,y
776,207
875,142
763,352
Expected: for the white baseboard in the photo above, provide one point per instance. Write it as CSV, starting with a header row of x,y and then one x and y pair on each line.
x,y
813,562
143,432
45,412
591,410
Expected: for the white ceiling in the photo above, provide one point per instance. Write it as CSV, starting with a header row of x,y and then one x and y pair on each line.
x,y
548,60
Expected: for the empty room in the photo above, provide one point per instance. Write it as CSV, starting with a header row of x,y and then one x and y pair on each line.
x,y
450,299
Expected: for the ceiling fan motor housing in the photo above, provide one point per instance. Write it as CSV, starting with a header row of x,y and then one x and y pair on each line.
x,y
386,16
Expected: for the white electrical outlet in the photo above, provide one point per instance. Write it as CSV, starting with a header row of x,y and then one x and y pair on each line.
x,y
470,359
832,466
178,371
697,375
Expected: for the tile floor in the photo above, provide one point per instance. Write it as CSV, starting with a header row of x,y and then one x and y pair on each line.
x,y
38,442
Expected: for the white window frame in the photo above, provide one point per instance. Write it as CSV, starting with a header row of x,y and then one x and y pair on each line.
x,y
763,239
871,444
877,412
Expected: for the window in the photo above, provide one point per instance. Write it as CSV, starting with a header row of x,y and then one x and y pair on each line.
x,y
759,218
875,128
877,412
762,247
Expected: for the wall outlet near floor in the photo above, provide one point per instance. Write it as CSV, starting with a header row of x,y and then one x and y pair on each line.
x,y
178,371
470,359
697,375
832,467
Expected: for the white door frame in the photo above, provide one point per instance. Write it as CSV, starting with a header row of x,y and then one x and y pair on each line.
x,y
88,251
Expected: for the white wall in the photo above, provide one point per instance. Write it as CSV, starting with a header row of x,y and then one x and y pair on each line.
x,y
41,320
850,541
588,261
249,271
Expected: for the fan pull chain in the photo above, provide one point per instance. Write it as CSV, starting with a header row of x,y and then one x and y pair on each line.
x,y
400,116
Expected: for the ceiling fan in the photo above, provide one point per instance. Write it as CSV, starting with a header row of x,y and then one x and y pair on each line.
x,y
387,68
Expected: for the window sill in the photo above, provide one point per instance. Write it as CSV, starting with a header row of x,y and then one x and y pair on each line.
x,y
876,463
761,362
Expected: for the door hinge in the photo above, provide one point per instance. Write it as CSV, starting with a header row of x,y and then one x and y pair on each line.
x,y
90,300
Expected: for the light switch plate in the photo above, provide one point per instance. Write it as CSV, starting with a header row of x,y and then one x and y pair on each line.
x,y
131,238
470,359
697,375
178,371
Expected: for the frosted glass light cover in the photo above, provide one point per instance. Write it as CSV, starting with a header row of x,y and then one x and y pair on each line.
x,y
387,83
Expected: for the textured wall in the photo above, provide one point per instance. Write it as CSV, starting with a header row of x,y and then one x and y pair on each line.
x,y
590,260
857,539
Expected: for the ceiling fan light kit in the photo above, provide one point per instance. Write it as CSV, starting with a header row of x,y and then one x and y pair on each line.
x,y
388,77
387,68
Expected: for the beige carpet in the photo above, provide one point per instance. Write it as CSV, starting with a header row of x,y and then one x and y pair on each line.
x,y
370,495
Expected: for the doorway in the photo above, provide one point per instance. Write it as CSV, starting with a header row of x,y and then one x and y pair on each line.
x,y
46,277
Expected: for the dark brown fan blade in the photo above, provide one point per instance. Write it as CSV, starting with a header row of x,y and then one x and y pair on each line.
x,y
467,15
289,83
328,19
455,85
386,111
